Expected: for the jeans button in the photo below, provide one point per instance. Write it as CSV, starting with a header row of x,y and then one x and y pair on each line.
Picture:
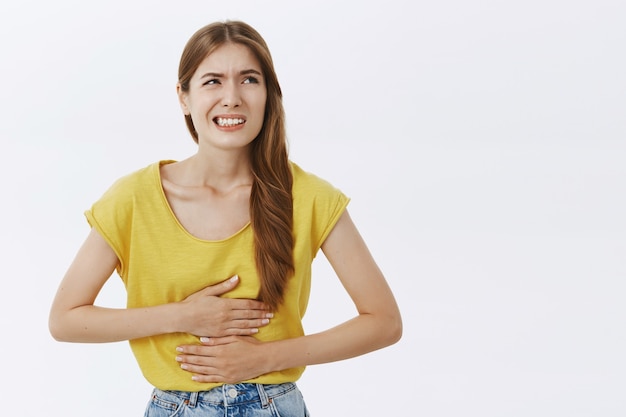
x,y
232,393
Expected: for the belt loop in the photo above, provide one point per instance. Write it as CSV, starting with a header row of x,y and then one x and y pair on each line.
x,y
193,399
265,402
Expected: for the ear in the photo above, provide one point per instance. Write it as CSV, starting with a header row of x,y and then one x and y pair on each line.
x,y
183,100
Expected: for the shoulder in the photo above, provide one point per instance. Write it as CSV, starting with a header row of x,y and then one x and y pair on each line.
x,y
309,184
139,176
317,206
132,187
311,191
136,182
114,209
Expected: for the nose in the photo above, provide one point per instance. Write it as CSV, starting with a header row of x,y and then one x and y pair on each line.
x,y
232,95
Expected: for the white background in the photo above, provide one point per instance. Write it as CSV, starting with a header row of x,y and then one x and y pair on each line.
x,y
483,145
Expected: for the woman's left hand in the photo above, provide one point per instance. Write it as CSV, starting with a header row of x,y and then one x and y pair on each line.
x,y
228,359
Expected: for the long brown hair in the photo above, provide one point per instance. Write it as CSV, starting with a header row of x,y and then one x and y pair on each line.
x,y
271,205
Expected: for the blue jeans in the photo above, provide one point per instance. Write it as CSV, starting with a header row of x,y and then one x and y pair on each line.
x,y
238,400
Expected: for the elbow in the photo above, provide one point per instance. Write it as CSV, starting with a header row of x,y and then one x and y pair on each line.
x,y
55,331
394,330
56,328
389,330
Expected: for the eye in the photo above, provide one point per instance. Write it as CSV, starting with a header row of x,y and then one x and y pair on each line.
x,y
251,80
212,81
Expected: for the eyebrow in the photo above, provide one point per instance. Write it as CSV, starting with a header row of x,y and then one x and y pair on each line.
x,y
220,75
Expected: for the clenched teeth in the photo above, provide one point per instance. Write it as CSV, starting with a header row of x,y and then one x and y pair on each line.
x,y
223,121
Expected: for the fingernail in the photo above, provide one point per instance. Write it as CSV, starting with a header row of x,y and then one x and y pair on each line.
x,y
179,359
265,321
179,349
269,315
204,339
234,278
254,330
183,366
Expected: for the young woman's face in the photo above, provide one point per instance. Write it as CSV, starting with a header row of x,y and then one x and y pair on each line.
x,y
226,98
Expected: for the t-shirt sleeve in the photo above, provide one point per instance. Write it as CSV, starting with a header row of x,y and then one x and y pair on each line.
x,y
318,205
328,208
111,217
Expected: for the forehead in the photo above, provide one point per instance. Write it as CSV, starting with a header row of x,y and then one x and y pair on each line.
x,y
230,57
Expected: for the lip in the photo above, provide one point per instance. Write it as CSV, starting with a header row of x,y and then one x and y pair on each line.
x,y
229,116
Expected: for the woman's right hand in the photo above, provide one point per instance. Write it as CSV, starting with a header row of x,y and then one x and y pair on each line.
x,y
75,318
208,314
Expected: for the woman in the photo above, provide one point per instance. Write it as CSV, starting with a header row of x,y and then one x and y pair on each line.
x,y
215,251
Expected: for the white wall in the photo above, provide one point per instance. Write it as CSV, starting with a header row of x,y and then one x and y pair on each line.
x,y
483,145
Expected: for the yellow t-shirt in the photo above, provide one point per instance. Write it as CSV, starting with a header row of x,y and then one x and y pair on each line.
x,y
160,262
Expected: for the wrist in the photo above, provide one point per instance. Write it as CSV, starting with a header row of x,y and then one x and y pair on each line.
x,y
271,356
175,319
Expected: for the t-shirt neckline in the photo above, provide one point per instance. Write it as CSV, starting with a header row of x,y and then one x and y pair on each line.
x,y
166,204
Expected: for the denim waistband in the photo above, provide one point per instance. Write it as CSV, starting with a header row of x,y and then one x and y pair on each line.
x,y
231,394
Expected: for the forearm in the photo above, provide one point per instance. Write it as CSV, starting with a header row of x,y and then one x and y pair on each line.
x,y
93,324
363,334
378,324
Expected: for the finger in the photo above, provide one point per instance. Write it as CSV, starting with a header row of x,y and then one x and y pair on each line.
x,y
242,332
215,377
209,378
202,373
248,318
244,314
184,351
238,324
222,287
211,341
247,304
245,327
186,361
206,346
207,374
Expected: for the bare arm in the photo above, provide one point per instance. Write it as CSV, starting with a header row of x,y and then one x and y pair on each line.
x,y
75,318
378,323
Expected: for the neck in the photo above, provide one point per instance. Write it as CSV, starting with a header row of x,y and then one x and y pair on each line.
x,y
219,170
